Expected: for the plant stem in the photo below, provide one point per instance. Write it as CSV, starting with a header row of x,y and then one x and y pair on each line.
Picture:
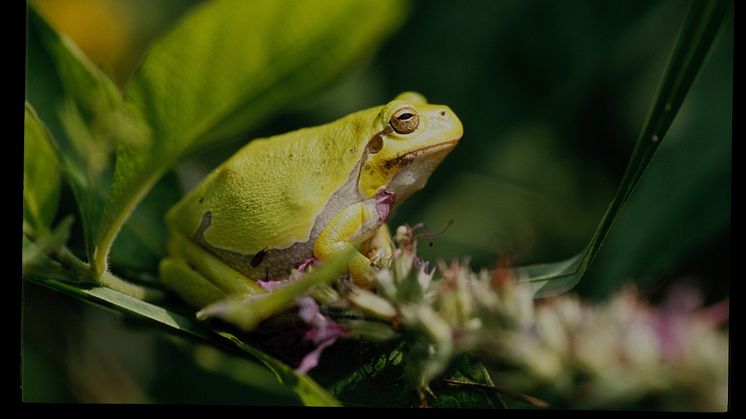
x,y
107,233
520,397
107,279
140,292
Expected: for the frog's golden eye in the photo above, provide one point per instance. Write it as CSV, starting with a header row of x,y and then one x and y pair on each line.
x,y
405,120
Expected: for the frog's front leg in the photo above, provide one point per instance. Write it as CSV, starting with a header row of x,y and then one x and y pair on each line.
x,y
351,227
199,277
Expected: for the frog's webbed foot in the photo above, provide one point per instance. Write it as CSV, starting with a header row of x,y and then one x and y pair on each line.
x,y
380,247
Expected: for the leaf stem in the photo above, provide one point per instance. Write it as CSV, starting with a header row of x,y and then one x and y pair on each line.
x,y
104,240
107,279
517,396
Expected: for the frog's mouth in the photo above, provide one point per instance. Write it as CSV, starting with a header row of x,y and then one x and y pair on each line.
x,y
445,145
415,167
431,151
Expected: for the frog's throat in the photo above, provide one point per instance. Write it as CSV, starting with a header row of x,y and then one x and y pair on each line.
x,y
277,263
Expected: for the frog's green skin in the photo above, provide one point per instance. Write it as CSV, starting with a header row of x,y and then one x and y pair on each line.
x,y
304,195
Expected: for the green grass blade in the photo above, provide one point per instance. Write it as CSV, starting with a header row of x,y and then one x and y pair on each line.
x,y
694,41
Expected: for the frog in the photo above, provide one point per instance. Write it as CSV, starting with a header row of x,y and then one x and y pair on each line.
x,y
285,202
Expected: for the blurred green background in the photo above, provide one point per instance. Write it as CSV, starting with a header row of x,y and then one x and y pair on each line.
x,y
552,96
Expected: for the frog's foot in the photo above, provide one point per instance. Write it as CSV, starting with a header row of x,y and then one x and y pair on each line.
x,y
380,247
353,227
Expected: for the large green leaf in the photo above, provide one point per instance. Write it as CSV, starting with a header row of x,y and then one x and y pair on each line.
x,y
224,67
696,36
41,175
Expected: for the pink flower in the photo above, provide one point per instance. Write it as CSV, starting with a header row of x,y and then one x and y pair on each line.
x,y
323,332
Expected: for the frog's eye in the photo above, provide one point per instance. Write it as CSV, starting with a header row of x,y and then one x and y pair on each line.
x,y
405,120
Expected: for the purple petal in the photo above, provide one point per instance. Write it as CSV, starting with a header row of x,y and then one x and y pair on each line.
x,y
718,313
321,333
271,285
682,299
384,202
671,319
421,265
312,358
308,310
303,266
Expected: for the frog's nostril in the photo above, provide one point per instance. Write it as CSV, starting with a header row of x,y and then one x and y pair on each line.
x,y
442,113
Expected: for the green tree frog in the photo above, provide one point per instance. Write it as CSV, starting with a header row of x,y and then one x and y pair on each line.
x,y
283,201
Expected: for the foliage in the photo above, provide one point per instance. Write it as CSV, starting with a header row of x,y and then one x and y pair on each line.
x,y
620,353
90,119
447,337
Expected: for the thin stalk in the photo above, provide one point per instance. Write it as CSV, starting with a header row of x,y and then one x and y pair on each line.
x,y
107,279
694,40
693,43
533,401
105,239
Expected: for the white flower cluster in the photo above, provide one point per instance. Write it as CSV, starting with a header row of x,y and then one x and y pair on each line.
x,y
622,353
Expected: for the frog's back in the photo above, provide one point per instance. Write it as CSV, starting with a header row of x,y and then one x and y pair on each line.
x,y
269,194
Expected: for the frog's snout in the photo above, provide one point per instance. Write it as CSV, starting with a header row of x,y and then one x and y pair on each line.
x,y
449,124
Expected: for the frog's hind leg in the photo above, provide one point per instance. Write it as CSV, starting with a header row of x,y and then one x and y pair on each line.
x,y
188,283
199,277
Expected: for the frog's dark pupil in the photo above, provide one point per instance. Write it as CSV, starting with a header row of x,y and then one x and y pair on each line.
x,y
405,116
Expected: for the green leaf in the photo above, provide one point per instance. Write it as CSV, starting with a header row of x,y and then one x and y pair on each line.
x,y
549,279
34,254
364,373
307,390
682,204
696,36
480,392
77,103
223,68
41,175
310,392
